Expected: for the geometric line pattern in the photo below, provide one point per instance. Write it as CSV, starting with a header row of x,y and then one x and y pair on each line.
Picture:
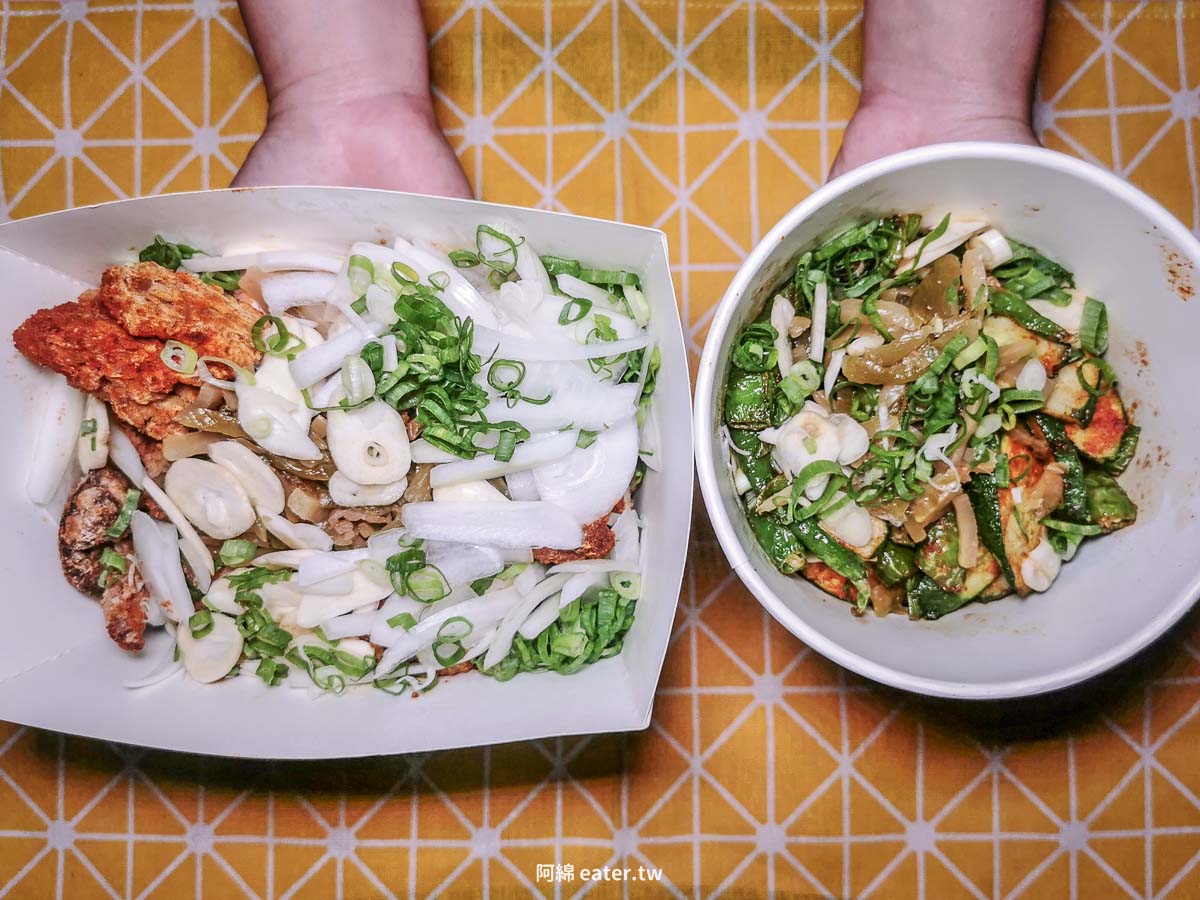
x,y
766,771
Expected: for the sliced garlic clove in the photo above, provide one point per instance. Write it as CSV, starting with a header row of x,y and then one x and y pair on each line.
x,y
210,658
297,535
257,478
345,492
209,497
369,445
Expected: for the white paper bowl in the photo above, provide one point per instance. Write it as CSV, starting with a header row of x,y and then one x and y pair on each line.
x,y
59,670
1122,591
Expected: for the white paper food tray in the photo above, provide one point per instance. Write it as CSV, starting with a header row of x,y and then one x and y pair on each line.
x,y
58,668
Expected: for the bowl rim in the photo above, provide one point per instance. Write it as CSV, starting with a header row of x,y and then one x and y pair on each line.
x,y
707,377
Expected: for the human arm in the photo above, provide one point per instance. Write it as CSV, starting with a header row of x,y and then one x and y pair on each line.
x,y
935,71
348,98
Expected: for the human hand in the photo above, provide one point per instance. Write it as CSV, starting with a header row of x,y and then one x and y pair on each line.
x,y
890,124
395,143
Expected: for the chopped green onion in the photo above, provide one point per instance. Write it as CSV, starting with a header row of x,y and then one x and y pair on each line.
x,y
361,272
626,584
574,310
405,273
179,357
972,352
557,265
237,552
586,439
464,259
504,260
1093,329
166,254
505,446
427,584
754,349
200,623
506,374
439,280
121,523
404,620
608,276
354,666
282,343
1072,527
271,671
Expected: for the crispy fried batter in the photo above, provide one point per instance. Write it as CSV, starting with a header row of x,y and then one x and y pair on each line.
x,y
124,606
150,301
151,453
82,569
598,541
350,526
82,341
109,342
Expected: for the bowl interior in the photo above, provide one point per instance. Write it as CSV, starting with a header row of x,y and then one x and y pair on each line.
x,y
1121,591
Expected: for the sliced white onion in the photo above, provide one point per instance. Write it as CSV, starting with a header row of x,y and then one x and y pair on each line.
x,y
220,594
460,564
163,665
271,422
519,524
816,347
502,642
469,492
589,481
481,612
55,444
424,452
529,264
956,233
320,568
989,424
540,619
226,263
298,535
537,451
391,357
298,261
369,445
195,551
381,305
210,658
93,448
592,407
316,609
782,313
522,486
835,368
581,290
315,363
381,632
256,477
350,625
489,341
282,292
851,523
994,247
529,578
462,299
157,548
125,456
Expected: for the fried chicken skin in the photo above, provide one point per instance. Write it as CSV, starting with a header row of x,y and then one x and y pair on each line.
x,y
109,342
124,606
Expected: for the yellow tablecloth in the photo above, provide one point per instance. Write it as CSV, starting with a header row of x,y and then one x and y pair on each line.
x,y
767,771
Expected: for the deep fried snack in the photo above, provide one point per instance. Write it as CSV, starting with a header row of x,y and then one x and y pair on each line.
x,y
598,541
110,341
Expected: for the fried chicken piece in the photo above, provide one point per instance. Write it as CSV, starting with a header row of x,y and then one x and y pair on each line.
x,y
350,526
83,342
90,511
150,301
124,606
109,342
150,452
82,569
598,542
